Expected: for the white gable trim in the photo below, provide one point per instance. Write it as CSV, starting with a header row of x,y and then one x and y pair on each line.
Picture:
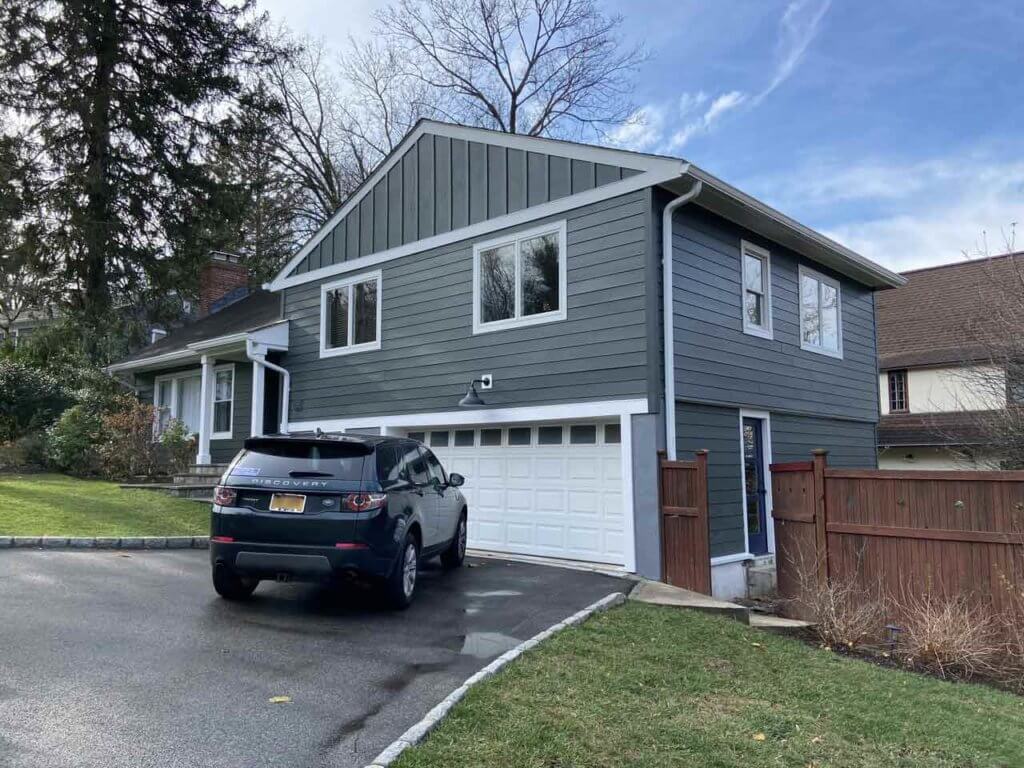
x,y
653,170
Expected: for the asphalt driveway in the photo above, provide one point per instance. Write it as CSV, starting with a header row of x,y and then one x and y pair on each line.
x,y
112,660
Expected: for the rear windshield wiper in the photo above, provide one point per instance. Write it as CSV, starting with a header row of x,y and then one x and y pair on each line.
x,y
299,473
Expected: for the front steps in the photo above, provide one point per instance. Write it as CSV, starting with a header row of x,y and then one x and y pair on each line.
x,y
196,484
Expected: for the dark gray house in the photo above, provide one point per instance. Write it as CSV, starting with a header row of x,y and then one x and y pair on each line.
x,y
533,270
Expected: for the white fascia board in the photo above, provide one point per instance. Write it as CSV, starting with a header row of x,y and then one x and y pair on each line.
x,y
524,216
157,361
274,336
561,412
883,276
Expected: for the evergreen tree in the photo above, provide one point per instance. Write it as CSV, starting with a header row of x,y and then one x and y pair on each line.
x,y
125,99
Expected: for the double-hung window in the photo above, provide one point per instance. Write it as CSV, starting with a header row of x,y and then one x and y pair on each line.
x,y
350,312
757,290
897,391
223,402
820,314
520,279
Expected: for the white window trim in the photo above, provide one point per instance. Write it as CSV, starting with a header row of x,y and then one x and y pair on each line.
x,y
514,239
749,249
838,352
175,404
226,435
350,349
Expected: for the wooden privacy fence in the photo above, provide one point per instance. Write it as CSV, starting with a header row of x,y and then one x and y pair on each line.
x,y
896,533
685,544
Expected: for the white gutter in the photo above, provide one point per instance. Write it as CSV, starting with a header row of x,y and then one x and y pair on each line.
x,y
258,354
667,313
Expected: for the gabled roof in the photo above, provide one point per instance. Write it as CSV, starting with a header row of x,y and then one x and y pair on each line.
x,y
255,311
393,213
929,321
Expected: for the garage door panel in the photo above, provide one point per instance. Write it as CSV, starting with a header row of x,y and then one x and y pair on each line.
x,y
560,501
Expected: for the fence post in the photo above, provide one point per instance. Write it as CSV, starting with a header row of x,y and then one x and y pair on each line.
x,y
705,517
820,515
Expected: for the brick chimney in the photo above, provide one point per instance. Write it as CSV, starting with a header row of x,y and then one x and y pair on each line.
x,y
222,281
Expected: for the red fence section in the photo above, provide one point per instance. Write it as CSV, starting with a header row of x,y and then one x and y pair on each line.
x,y
685,540
947,533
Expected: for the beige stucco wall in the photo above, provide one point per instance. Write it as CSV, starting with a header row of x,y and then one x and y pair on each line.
x,y
922,458
940,390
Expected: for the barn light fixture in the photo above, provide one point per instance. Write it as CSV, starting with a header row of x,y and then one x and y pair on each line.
x,y
472,399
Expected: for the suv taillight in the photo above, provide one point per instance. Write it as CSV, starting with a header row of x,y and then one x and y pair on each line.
x,y
363,502
225,497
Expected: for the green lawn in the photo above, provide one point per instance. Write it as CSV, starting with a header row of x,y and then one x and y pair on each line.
x,y
646,686
57,505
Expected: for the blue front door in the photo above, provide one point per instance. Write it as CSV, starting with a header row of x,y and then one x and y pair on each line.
x,y
754,488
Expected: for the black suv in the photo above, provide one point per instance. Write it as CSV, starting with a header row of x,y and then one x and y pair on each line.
x,y
311,508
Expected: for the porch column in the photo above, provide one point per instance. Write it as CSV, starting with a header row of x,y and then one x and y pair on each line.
x,y
205,410
259,378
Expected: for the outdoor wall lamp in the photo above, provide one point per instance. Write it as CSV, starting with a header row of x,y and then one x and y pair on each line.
x,y
472,399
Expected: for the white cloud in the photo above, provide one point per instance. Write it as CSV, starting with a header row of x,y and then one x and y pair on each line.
x,y
906,215
652,127
797,29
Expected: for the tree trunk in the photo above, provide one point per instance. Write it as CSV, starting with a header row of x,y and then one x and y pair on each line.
x,y
98,245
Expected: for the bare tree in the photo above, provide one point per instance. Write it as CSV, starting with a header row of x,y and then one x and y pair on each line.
x,y
992,366
539,67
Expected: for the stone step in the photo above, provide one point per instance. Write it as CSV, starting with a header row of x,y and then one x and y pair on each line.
x,y
214,470
195,479
186,491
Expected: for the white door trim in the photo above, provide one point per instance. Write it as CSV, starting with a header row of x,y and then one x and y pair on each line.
x,y
766,457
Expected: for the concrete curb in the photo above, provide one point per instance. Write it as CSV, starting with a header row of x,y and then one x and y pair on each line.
x,y
104,542
418,732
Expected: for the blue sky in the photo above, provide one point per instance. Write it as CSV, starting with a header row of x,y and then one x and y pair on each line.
x,y
896,128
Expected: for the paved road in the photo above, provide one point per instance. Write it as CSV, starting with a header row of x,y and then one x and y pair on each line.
x,y
112,660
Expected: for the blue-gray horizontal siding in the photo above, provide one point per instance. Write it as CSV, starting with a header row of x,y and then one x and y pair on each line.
x,y
792,438
849,443
429,353
717,363
442,184
718,430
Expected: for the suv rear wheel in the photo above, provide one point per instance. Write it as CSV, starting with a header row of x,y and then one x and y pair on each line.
x,y
400,586
456,552
230,585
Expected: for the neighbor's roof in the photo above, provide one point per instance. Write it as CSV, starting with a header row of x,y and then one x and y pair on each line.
x,y
952,428
254,311
928,321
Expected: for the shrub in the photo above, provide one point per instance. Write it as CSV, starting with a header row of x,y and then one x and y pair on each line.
x,y
72,444
946,635
843,613
26,453
30,399
178,446
129,448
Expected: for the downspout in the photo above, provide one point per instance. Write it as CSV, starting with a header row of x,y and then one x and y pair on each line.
x,y
668,317
259,357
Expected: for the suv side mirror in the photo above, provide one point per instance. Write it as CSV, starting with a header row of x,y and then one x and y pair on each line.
x,y
455,479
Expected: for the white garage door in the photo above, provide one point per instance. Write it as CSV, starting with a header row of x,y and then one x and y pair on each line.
x,y
550,490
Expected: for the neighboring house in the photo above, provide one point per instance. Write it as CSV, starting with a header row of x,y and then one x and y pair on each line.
x,y
532,270
936,383
26,324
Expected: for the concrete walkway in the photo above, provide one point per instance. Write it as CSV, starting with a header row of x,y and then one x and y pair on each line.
x,y
657,593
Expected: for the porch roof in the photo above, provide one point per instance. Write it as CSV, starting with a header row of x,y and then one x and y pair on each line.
x,y
255,317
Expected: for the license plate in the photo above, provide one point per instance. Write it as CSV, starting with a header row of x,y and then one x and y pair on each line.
x,y
287,502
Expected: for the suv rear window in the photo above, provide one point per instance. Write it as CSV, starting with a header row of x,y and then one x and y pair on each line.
x,y
341,461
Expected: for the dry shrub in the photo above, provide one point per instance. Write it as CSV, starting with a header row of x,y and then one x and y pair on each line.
x,y
129,450
949,636
844,613
1012,627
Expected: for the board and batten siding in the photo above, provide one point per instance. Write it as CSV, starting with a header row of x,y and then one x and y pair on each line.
x,y
441,184
429,353
716,362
